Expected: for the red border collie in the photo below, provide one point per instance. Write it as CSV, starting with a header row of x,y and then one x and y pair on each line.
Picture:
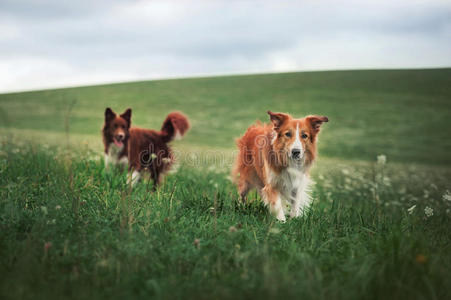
x,y
141,149
275,158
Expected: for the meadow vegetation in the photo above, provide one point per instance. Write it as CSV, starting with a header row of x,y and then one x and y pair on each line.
x,y
378,227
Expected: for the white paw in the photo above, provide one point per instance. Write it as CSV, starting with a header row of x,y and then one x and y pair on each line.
x,y
294,213
133,178
281,216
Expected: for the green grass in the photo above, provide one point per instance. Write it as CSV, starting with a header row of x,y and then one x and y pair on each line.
x,y
192,238
403,114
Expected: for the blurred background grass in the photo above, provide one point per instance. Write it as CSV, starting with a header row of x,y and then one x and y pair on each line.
x,y
404,114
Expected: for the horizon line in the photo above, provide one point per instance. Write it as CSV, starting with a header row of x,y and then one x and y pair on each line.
x,y
212,75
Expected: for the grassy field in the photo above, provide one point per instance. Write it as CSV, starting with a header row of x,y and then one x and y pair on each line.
x,y
68,229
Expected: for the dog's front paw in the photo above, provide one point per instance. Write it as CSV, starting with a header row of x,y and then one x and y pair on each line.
x,y
294,213
281,216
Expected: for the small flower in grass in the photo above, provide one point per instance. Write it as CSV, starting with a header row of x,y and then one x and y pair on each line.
x,y
421,259
44,210
429,212
58,207
83,202
274,230
47,246
196,243
411,209
212,210
345,171
381,159
447,196
232,229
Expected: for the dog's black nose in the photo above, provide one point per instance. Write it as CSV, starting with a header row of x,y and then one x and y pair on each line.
x,y
295,153
119,137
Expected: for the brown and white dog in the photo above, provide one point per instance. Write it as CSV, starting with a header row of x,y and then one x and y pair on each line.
x,y
275,158
141,149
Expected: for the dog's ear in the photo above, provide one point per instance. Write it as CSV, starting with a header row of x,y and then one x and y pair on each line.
x,y
127,115
316,122
277,119
109,114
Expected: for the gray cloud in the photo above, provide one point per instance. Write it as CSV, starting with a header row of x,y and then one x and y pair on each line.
x,y
53,43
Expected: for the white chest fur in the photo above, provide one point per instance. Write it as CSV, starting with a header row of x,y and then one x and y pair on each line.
x,y
293,184
112,157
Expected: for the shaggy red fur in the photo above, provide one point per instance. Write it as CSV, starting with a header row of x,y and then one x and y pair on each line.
x,y
268,151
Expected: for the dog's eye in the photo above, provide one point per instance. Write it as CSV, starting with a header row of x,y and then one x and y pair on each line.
x,y
304,136
288,134
115,125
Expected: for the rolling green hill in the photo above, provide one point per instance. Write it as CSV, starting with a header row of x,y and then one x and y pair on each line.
x,y
404,114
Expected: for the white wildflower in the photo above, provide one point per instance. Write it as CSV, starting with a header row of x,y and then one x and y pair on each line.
x,y
429,212
345,172
411,209
274,230
44,210
58,207
447,196
381,159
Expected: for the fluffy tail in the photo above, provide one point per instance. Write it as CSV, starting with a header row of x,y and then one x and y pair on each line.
x,y
175,126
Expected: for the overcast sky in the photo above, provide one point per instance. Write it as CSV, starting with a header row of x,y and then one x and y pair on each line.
x,y
57,43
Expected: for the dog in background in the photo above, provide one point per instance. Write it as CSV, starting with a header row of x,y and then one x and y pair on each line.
x,y
276,158
141,149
